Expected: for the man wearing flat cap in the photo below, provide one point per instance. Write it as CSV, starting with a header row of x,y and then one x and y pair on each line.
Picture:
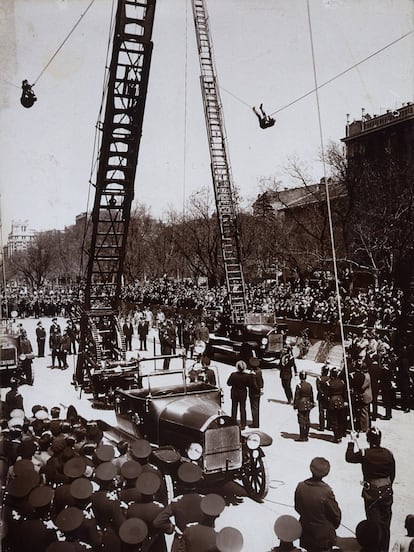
x,y
319,512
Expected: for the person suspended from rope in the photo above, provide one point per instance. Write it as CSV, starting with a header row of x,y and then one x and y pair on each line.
x,y
265,121
28,97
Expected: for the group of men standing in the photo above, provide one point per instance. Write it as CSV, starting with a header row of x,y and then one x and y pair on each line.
x,y
246,381
61,343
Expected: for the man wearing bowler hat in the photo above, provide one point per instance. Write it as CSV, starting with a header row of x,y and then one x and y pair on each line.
x,y
319,512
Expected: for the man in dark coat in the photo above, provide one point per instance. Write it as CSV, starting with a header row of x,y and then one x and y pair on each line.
x,y
336,401
143,329
41,339
255,389
378,469
287,364
322,397
239,382
319,512
55,335
128,330
303,403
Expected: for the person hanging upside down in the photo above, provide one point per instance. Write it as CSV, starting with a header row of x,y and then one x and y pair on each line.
x,y
28,97
265,121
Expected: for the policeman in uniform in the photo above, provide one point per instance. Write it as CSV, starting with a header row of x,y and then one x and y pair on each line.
x,y
184,508
303,403
378,469
229,539
201,536
322,398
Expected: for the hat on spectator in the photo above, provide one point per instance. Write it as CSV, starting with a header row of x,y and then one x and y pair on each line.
x,y
55,411
130,470
69,519
287,528
17,413
81,488
19,487
23,466
133,531
54,319
41,414
212,505
190,473
27,448
16,422
148,483
58,445
105,471
75,467
104,453
36,408
229,539
140,449
368,533
320,467
41,496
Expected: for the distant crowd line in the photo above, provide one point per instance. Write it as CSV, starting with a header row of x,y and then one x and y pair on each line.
x,y
373,307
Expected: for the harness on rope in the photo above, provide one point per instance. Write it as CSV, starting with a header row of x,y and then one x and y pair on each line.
x,y
28,97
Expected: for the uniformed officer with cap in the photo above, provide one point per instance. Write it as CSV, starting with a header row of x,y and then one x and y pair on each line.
x,y
287,529
147,509
105,475
378,469
133,533
103,453
130,471
184,508
141,451
40,499
229,539
303,402
201,536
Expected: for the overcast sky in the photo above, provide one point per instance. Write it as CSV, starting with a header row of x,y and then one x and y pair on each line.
x,y
262,54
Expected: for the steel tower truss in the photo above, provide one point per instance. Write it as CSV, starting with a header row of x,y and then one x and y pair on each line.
x,y
126,91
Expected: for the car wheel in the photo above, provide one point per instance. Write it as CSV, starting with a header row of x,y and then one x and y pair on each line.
x,y
255,476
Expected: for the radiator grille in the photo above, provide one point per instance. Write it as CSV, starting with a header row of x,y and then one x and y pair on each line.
x,y
222,450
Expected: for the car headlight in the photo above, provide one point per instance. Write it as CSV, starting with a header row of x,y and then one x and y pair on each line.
x,y
194,451
22,356
253,441
265,341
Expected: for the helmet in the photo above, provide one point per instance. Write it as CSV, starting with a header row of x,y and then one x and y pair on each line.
x,y
374,436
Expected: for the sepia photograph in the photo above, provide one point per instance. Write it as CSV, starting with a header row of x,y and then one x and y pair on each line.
x,y
207,275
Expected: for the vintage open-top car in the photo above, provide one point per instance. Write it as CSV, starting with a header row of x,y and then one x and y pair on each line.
x,y
187,418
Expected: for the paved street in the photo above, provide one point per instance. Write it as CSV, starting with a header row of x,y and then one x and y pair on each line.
x,y
288,461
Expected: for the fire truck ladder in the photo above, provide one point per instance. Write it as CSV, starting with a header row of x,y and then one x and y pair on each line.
x,y
127,83
220,166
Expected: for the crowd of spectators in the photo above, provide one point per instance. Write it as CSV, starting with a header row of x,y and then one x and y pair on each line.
x,y
371,307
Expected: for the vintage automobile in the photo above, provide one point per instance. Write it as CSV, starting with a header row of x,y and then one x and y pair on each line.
x,y
186,423
13,363
261,335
